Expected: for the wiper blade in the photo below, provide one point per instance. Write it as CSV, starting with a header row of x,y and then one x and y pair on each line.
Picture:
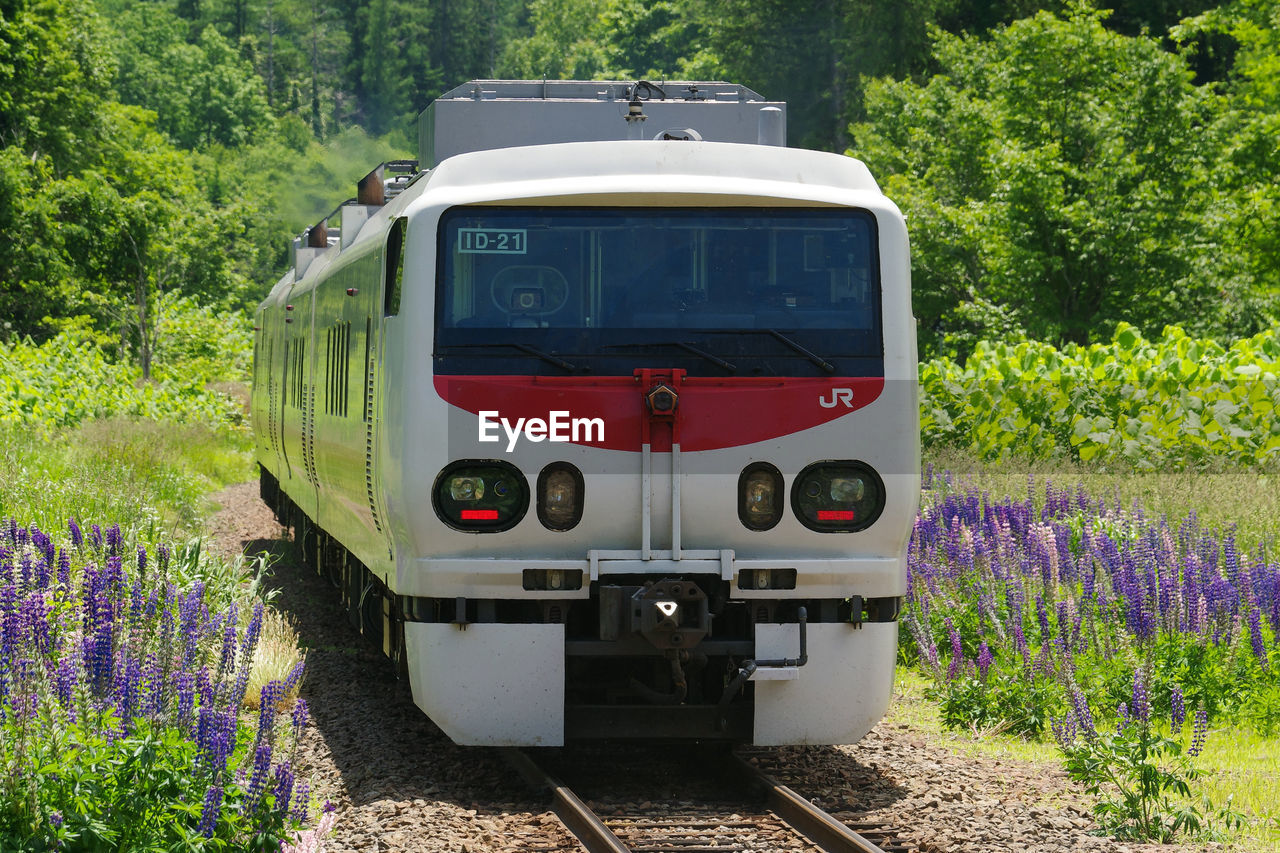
x,y
534,351
809,354
690,348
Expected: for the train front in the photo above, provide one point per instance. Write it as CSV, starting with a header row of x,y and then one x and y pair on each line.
x,y
653,463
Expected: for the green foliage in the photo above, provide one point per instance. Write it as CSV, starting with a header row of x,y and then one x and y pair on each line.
x,y
202,92
65,381
1174,401
108,792
1061,172
1013,705
53,76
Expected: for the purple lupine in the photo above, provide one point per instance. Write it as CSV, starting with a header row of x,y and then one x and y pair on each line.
x,y
258,781
251,635
98,660
114,538
65,681
984,660
1199,732
64,570
1141,698
301,801
1065,731
212,807
142,562
957,652
1042,617
185,684
269,698
1083,716
77,538
1177,708
1255,637
157,695
293,679
226,659
128,687
162,557
299,717
283,790
189,622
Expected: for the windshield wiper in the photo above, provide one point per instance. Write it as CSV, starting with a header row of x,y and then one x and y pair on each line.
x,y
809,354
534,351
714,359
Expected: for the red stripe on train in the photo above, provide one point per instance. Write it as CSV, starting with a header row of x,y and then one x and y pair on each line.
x,y
713,413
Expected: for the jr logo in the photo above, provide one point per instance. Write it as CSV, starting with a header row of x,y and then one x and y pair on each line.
x,y
838,395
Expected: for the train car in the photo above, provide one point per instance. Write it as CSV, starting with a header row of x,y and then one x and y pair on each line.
x,y
602,417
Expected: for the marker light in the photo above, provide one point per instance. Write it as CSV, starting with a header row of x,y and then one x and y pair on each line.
x,y
480,496
560,496
760,496
838,496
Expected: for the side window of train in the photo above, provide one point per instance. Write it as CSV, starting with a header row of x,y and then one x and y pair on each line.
x,y
394,267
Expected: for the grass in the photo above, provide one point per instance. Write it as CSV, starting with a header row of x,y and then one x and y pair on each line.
x,y
1241,768
149,476
1246,498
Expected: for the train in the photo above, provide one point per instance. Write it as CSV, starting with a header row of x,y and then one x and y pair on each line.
x,y
601,417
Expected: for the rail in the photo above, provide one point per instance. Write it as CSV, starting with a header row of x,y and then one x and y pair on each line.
x,y
805,819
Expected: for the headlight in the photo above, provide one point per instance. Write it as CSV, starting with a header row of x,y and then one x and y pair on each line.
x,y
838,497
466,488
560,496
480,496
760,496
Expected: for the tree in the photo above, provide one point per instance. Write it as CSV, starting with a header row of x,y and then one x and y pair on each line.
x,y
53,75
1055,175
202,93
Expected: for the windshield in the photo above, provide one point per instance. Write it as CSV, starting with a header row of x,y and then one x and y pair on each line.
x,y
589,281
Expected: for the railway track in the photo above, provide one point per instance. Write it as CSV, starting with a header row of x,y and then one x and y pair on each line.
x,y
772,817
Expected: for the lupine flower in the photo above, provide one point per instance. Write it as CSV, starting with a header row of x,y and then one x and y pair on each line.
x,y
1199,732
258,781
283,790
1177,707
301,801
308,841
1255,637
984,660
1141,698
77,538
212,806
957,652
299,717
1083,716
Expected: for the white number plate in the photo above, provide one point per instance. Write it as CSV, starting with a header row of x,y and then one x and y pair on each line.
x,y
492,241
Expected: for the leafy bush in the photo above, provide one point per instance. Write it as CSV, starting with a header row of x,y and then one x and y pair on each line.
x,y
1134,769
1176,401
66,380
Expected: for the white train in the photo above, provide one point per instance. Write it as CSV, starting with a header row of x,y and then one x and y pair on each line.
x,y
606,438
